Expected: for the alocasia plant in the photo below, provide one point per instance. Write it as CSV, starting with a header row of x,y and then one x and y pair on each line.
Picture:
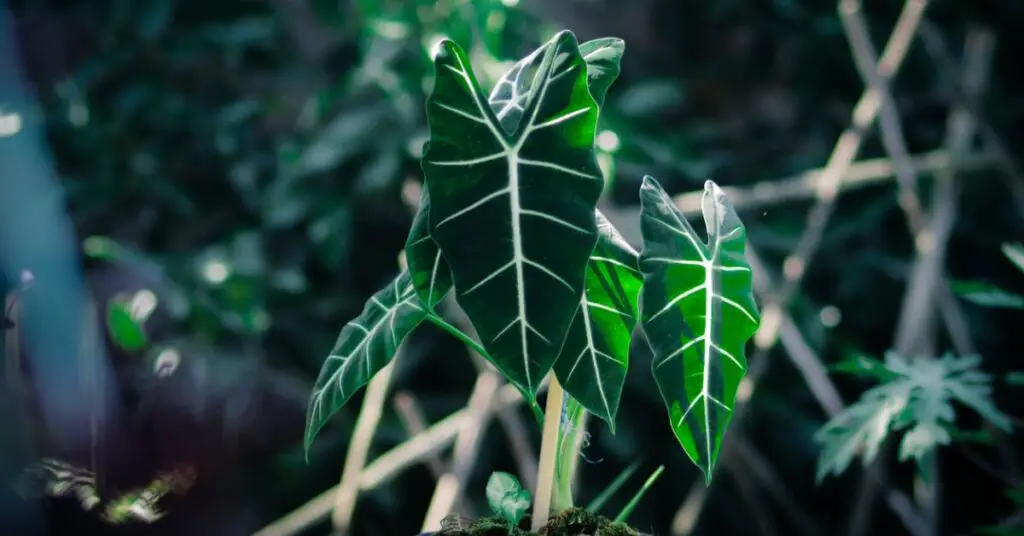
x,y
508,220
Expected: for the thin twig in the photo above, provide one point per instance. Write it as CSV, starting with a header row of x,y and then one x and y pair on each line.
x,y
804,185
915,333
467,446
388,465
358,448
749,458
411,415
961,95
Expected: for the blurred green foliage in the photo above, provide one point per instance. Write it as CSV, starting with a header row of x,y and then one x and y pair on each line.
x,y
253,155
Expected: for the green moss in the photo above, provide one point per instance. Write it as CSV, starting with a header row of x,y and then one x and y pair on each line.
x,y
572,522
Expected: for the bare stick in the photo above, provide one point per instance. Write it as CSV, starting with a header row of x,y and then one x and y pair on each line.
x,y
548,455
388,465
467,445
915,335
411,414
362,436
804,185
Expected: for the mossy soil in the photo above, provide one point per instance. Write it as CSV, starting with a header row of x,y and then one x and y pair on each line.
x,y
571,522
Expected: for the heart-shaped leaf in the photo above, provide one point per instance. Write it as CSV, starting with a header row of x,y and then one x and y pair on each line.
x,y
513,212
430,274
506,497
697,309
365,346
594,360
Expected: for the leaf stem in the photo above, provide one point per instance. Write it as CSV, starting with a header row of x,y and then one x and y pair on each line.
x,y
531,399
458,334
548,455
628,509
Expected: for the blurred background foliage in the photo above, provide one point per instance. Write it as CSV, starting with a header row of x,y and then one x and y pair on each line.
x,y
251,157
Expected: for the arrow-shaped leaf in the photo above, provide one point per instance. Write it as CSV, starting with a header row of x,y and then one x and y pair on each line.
x,y
594,360
513,213
364,346
512,90
430,274
698,312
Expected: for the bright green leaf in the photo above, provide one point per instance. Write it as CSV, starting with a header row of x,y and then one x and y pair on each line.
x,y
987,295
532,192
365,346
595,357
506,497
698,312
126,332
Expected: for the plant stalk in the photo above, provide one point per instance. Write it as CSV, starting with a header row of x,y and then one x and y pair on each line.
x,y
548,455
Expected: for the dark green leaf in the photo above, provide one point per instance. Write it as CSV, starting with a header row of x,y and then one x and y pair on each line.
x,y
513,213
430,274
506,497
698,311
603,57
594,360
510,94
987,295
125,331
364,346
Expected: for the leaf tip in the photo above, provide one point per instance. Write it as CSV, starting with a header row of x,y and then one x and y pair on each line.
x,y
650,184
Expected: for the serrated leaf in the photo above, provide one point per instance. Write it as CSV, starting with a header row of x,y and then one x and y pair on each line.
x,y
595,357
919,397
987,295
365,345
698,311
506,497
533,191
430,273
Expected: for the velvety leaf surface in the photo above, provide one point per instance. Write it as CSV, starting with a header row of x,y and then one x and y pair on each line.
x,y
365,345
513,213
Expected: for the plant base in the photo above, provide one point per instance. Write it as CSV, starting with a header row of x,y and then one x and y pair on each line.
x,y
571,522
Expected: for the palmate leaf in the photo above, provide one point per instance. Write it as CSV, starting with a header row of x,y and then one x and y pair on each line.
x,y
698,312
532,192
364,346
917,396
594,360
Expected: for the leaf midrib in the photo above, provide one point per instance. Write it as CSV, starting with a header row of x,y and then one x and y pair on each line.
x,y
511,153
